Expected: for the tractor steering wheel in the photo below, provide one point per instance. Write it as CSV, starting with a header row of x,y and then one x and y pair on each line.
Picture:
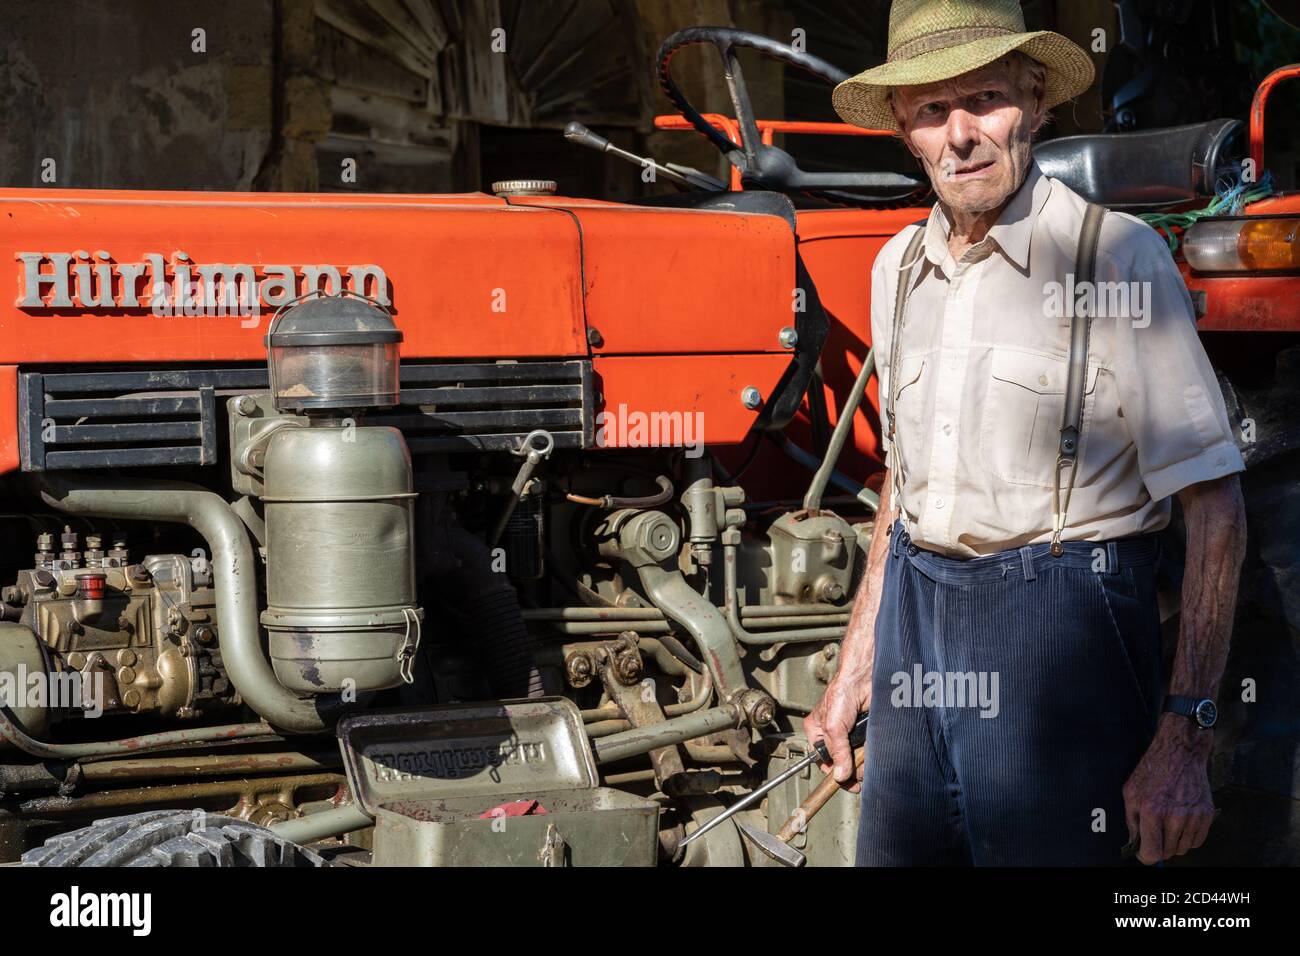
x,y
769,167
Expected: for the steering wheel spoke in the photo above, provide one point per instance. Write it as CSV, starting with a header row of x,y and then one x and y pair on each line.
x,y
763,166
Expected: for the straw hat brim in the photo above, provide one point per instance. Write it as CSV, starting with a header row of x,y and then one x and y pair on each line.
x,y
862,99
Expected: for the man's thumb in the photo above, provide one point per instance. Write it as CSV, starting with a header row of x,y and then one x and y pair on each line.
x,y
843,758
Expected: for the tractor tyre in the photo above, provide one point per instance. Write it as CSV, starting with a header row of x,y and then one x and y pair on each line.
x,y
171,838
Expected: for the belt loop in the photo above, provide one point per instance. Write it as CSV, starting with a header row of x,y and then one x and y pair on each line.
x,y
896,541
1027,562
1112,557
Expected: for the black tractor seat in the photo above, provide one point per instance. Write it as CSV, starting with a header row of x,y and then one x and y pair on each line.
x,y
1144,170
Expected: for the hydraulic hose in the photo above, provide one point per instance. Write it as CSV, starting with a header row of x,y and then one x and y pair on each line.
x,y
233,571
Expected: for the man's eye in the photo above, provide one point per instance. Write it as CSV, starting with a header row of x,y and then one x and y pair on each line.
x,y
929,109
987,96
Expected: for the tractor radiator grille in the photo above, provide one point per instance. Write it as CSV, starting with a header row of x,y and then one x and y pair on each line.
x,y
126,419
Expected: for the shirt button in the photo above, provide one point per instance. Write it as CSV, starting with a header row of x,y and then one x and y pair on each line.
x,y
938,504
947,429
1042,380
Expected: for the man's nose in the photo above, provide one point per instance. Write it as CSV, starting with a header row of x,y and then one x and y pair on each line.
x,y
963,131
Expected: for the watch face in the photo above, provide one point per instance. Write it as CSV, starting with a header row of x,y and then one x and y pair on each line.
x,y
1206,713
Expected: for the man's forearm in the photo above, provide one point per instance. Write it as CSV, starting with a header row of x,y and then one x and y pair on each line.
x,y
859,645
1216,542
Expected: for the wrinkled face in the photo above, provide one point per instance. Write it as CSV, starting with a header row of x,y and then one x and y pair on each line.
x,y
973,133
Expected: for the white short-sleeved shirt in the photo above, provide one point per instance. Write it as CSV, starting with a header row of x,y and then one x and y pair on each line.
x,y
982,371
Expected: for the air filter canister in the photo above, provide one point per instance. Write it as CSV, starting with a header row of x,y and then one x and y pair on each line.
x,y
340,558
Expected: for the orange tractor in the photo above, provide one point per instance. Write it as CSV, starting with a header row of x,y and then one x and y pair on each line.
x,y
495,529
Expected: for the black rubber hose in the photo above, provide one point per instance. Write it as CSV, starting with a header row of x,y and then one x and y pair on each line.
x,y
503,644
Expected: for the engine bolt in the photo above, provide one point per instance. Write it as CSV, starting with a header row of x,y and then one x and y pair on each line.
x,y
788,338
832,591
126,675
578,669
627,667
751,397
246,405
131,698
125,657
594,338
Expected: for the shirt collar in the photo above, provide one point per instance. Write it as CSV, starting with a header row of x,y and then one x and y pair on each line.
x,y
1013,230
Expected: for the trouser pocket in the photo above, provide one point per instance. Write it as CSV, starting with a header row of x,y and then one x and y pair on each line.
x,y
1130,601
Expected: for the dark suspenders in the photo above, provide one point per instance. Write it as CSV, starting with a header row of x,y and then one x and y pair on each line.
x,y
1077,376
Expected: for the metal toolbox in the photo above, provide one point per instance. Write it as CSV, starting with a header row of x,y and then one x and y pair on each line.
x,y
444,784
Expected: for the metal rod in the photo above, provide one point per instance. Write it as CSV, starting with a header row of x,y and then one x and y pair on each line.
x,y
642,740
843,425
131,745
325,824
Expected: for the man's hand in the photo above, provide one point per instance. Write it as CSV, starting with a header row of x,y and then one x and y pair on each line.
x,y
849,692
833,719
1167,800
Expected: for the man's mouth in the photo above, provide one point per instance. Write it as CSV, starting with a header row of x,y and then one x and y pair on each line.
x,y
972,170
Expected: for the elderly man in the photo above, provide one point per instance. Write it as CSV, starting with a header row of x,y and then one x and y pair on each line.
x,y
1006,638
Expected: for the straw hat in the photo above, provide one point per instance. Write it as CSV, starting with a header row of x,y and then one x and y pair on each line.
x,y
932,40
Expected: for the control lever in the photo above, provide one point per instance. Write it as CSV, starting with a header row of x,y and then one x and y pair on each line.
x,y
577,133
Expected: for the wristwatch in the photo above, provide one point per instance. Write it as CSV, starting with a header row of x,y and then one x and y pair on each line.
x,y
1202,710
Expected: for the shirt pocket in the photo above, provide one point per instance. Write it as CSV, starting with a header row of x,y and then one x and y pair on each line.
x,y
1020,432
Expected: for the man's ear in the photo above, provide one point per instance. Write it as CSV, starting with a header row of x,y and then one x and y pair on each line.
x,y
1040,107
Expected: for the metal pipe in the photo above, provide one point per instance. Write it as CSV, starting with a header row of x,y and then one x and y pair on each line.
x,y
612,614
177,794
52,775
10,732
843,425
790,610
642,740
806,621
584,628
607,728
322,825
616,615
730,537
233,570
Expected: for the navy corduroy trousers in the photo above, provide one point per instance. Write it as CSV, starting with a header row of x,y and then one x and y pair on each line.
x,y
1012,696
